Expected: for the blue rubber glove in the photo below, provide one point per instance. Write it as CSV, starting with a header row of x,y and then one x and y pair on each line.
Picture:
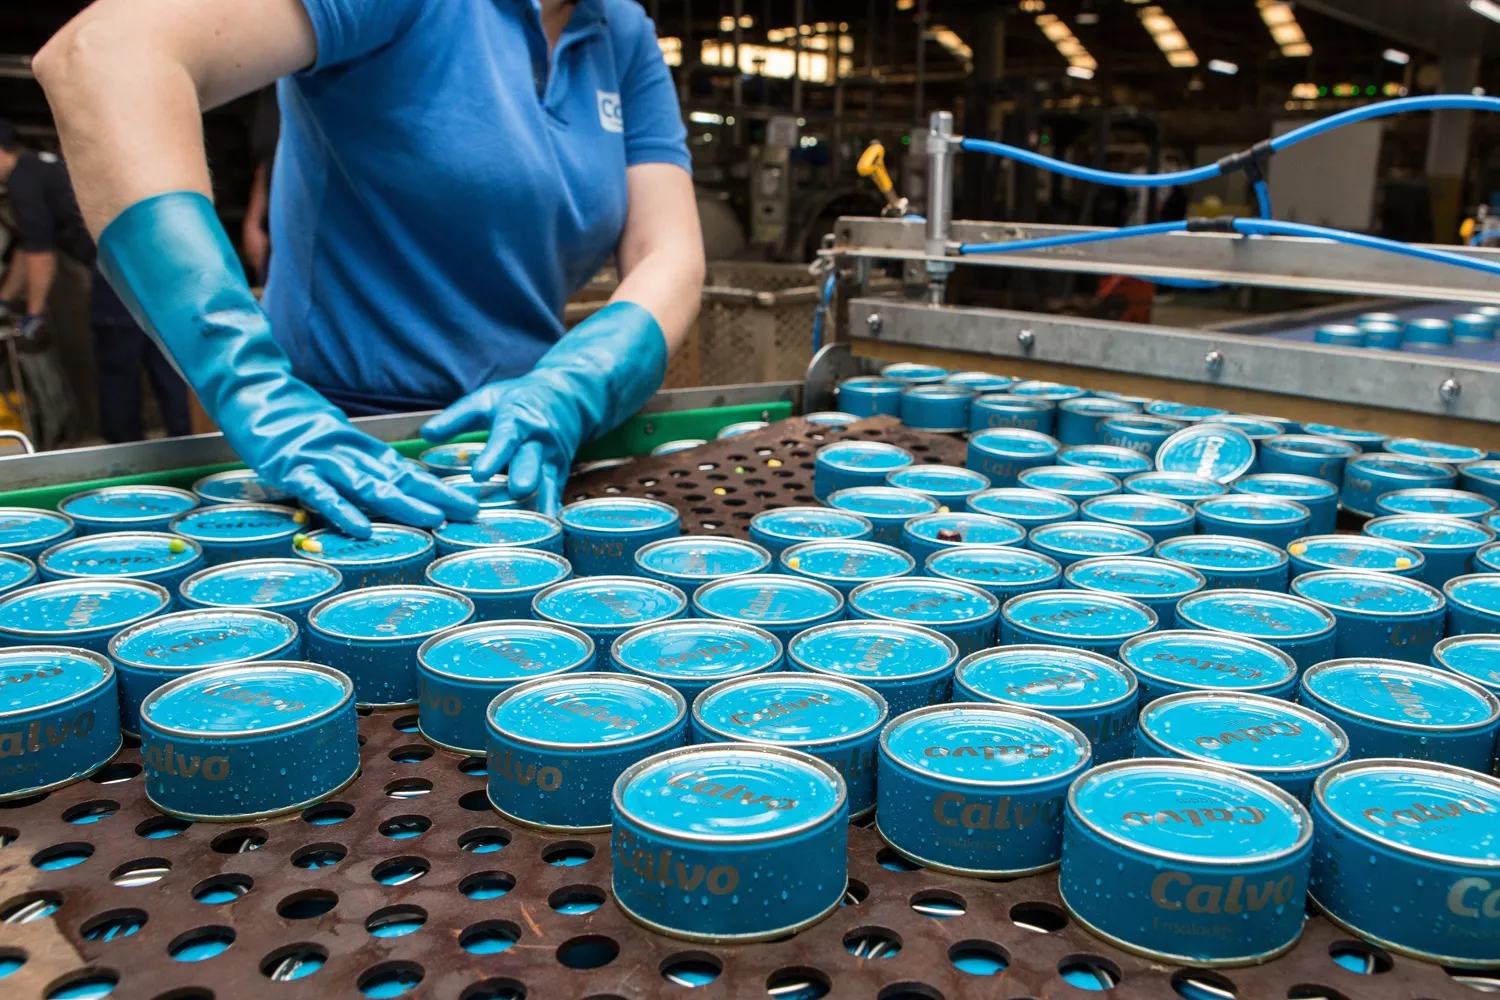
x,y
173,267
591,381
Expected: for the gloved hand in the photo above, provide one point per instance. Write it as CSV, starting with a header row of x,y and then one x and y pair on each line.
x,y
590,382
173,267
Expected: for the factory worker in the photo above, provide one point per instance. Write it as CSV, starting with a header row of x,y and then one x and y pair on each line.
x,y
449,172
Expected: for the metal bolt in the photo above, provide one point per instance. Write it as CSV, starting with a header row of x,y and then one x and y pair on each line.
x,y
765,415
874,322
1213,362
649,428
1026,339
1450,390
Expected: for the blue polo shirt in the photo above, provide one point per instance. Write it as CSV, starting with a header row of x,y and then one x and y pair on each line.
x,y
442,187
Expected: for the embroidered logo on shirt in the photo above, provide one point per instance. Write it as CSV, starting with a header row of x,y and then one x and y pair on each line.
x,y
611,115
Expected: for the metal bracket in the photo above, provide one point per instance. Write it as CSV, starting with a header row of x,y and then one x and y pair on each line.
x,y
832,365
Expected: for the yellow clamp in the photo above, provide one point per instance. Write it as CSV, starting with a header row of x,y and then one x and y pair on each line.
x,y
872,165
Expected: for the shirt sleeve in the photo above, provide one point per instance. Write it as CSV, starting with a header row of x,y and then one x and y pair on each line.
x,y
33,215
654,132
347,30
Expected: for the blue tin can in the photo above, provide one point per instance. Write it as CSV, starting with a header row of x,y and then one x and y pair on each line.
x,y
1086,690
126,508
59,720
1057,392
1493,521
153,556
1420,833
247,743
886,508
1364,440
1187,413
1378,614
1271,520
1002,570
289,587
1072,481
1156,583
1257,429
1138,432
1365,319
922,536
729,842
1228,562
1180,660
240,486
492,494
82,613
373,636
1139,401
1476,477
1071,541
844,565
1279,741
1368,477
869,396
1435,451
558,744
910,666
779,529
1428,334
1118,462
1340,335
1078,619
1384,336
1305,631
1319,496
912,373
689,561
1476,657
977,789
948,485
502,527
981,381
606,607
1185,862
1079,421
1391,708
1473,604
1316,552
823,418
1213,451
940,409
15,572
963,612
452,458
1157,517
27,531
996,411
1002,453
230,532
782,605
835,720
1181,486
1473,328
601,536
846,464
738,428
1307,455
691,655
500,581
1448,544
1028,508
393,554
1461,504
161,649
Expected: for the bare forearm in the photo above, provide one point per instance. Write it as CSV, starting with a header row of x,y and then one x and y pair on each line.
x,y
669,285
41,268
661,250
15,277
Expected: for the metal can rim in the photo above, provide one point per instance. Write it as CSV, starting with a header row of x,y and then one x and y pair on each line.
x,y
1005,612
639,581
990,599
1282,559
1341,738
739,578
68,524
1453,584
209,572
1056,526
348,595
992,708
164,595
144,488
229,668
961,515
1440,649
1359,541
1407,440
1184,512
230,475
956,471
884,491
455,631
524,687
1246,593
977,440
681,623
863,544
1069,509
832,461
98,660
175,525
1260,646
940,390
764,517
1439,469
854,686
647,502
475,552
130,631
115,536
1298,509
737,543
1287,444
924,631
1328,491
1440,491
947,552
1092,561
404,529
1479,526
1448,676
1320,574
1005,401
1132,689
871,383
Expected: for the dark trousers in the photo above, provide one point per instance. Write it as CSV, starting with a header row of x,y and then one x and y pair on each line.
x,y
120,349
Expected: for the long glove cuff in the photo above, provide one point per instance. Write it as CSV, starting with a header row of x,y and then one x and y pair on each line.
x,y
621,345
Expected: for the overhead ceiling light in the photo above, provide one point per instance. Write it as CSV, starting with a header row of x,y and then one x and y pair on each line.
x,y
1033,6
1087,17
1281,21
1396,56
1305,92
1486,8
1296,50
1163,31
1081,72
1081,65
1223,66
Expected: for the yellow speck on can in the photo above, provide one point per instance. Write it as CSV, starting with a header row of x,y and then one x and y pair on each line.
x,y
794,562
299,517
1297,548
464,455
720,491
177,546
943,509
1403,562
311,545
774,463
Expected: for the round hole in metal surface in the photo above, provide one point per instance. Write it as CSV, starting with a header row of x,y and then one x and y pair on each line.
x,y
718,477
201,943
293,962
404,723
575,900
307,905
798,982
485,840
567,853
408,788
399,871
495,989
90,812
405,827
24,801
1312,991
478,766
30,906
891,861
1042,918
701,510
1094,973
220,889
1479,980
855,892
872,942
390,979
240,841
765,494
591,951
120,770
113,924
805,498
364,712
864,822
411,753
327,813
685,485
939,904
487,885
161,827
141,871
979,958
691,969
60,856
1201,984
85,984
186,993
477,801
647,481
1360,958
733,502
489,937
395,921
360,739
319,856
909,991
656,493
756,481
11,959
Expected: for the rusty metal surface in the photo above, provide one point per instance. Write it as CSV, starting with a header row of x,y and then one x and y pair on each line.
x,y
886,901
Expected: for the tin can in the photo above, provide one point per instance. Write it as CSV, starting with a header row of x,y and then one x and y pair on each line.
x,y
1475,656
15,572
977,789
1394,709
229,532
1365,319
602,465
688,444
504,527
1367,477
452,458
27,531
869,396
1057,392
59,720
1340,335
492,494
1180,660
1257,429
1002,453
606,607
1028,508
1079,421
460,671
161,649
912,373
1072,481
1420,833
1229,563
1385,336
1473,328
997,411
1187,413
980,381
240,486
601,536
1461,504
500,581
1002,570
690,655
373,636
689,561
1307,455
1493,521
963,612
1092,692
940,409
948,485
393,554
1078,619
1487,559
922,536
126,508
1140,401
835,720
1428,334
741,427
1476,477
1378,614
246,743
81,613
1448,544
1473,604
1185,862
1319,496
1316,552
1365,440
1213,451
1271,520
1181,486
847,464
729,842
886,508
153,556
1157,517
558,744
776,530
1072,541
843,565
1118,462
908,665
289,587
1305,631
831,418
782,605
1156,583
1279,741
1435,451
1138,432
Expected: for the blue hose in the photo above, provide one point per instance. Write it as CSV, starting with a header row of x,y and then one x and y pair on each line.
x,y
817,336
1263,199
1203,173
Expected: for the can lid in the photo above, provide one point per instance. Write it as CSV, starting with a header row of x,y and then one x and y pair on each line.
x,y
939,479
939,391
58,609
1363,592
1080,614
1110,458
1430,531
729,793
982,381
1069,480
873,651
1013,442
246,700
810,522
492,494
33,678
1013,404
1222,553
873,384
1419,808
911,371
1055,391
505,651
30,526
239,486
696,649
1311,445
1209,660
768,598
387,543
790,709
1432,500
1476,656
1355,552
188,640
610,601
1248,731
966,529
1477,591
997,565
585,711
265,583
1097,406
386,614
14,570
985,744
1213,451
826,418
1414,470
238,522
702,557
923,601
1090,538
1487,471
455,456
1174,485
1131,508
1135,576
1358,436
1047,678
618,515
864,456
688,444
1246,509
1140,401
1023,505
498,570
1251,426
120,553
883,501
501,527
843,559
1285,484
1182,411
124,504
1400,695
1438,451
1143,423
1380,317
1263,614
1184,810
